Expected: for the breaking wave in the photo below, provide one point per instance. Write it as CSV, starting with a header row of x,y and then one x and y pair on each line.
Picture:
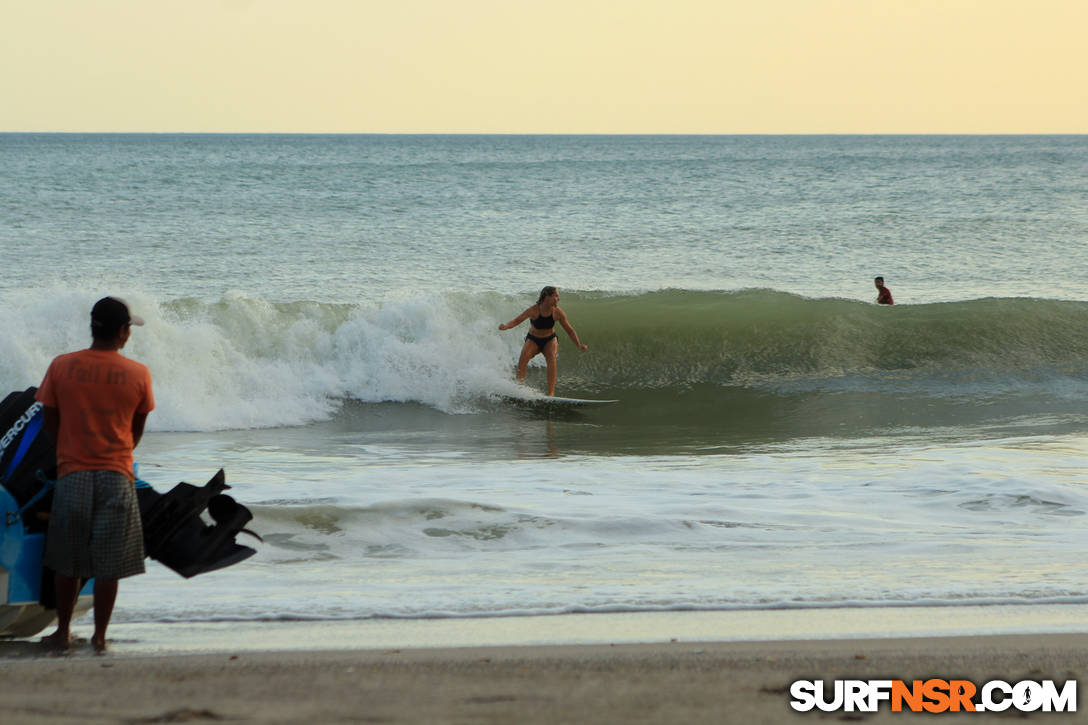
x,y
245,362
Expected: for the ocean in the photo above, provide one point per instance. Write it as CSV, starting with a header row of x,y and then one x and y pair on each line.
x,y
322,322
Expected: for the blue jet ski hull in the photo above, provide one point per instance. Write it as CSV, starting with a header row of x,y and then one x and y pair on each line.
x,y
175,532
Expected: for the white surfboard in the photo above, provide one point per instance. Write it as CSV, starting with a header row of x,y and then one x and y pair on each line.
x,y
546,402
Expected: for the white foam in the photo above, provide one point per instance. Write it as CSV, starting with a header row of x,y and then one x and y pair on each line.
x,y
243,362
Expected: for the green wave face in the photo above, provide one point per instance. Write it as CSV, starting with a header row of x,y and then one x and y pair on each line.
x,y
707,370
765,339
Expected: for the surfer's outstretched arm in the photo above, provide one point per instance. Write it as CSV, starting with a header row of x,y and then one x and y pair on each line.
x,y
562,317
518,320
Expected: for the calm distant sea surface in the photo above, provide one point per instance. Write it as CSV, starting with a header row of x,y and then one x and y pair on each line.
x,y
322,323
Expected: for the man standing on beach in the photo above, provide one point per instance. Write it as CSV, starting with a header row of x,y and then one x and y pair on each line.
x,y
883,294
95,405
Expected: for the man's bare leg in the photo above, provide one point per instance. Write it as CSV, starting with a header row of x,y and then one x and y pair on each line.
x,y
105,594
67,593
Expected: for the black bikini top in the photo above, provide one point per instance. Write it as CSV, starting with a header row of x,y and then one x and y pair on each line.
x,y
544,323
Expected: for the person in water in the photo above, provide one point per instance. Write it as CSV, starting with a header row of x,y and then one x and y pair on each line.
x,y
542,338
883,294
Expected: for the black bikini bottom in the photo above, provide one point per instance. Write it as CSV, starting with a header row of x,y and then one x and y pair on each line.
x,y
541,342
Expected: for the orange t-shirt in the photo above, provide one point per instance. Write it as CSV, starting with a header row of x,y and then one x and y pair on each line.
x,y
97,393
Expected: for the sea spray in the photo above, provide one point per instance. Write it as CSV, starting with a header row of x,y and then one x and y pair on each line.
x,y
244,362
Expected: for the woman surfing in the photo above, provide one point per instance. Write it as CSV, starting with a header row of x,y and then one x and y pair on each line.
x,y
542,338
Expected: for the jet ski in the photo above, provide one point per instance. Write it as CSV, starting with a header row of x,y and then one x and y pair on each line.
x,y
176,532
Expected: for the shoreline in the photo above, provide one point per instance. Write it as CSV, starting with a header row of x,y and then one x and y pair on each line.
x,y
177,638
742,682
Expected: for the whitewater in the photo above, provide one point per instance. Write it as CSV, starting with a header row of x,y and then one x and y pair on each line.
x,y
322,321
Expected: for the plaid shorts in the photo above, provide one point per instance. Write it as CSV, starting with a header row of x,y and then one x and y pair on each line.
x,y
95,528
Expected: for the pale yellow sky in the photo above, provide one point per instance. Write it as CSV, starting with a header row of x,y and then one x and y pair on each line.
x,y
546,66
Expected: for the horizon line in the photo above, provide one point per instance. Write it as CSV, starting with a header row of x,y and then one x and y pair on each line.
x,y
544,133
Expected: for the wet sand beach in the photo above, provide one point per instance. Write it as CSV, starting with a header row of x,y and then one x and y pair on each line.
x,y
671,682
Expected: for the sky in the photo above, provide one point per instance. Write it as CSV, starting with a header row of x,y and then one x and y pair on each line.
x,y
544,66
